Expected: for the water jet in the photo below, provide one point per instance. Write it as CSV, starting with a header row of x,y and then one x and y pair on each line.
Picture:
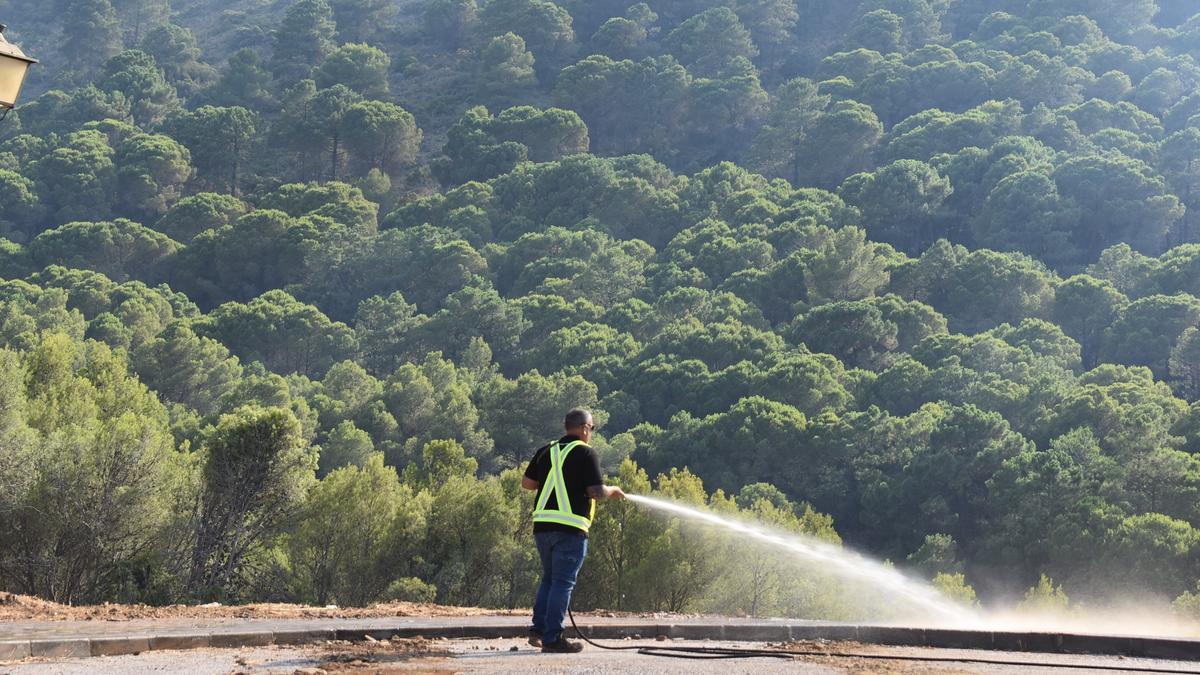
x,y
838,561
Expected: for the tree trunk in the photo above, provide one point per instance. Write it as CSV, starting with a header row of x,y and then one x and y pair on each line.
x,y
333,160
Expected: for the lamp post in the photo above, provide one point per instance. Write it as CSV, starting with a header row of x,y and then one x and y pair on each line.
x,y
13,66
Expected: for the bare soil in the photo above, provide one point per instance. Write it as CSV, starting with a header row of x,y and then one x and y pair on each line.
x,y
863,664
382,656
25,608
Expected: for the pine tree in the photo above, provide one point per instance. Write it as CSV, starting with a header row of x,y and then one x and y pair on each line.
x,y
361,20
138,17
303,40
90,34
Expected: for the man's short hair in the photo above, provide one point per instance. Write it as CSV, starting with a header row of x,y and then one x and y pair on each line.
x,y
577,418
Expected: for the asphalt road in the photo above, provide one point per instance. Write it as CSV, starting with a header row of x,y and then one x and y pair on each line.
x,y
495,656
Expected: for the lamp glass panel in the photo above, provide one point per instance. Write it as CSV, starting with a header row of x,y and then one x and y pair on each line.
x,y
12,75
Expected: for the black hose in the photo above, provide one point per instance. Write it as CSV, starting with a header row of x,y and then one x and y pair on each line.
x,y
743,653
589,640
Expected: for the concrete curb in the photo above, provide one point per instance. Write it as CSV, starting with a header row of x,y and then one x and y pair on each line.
x,y
168,642
1054,643
14,651
117,646
61,649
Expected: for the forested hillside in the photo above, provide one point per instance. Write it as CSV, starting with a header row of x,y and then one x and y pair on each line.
x,y
290,291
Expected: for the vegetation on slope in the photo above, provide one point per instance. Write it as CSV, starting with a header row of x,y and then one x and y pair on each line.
x,y
921,275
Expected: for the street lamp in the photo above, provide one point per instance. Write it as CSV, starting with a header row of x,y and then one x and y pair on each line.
x,y
13,66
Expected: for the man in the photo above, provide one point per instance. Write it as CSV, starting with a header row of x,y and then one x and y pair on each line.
x,y
566,476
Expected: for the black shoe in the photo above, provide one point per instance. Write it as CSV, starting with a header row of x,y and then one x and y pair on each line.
x,y
535,638
562,646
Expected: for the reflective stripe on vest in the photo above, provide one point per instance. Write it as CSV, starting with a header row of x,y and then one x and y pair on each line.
x,y
555,484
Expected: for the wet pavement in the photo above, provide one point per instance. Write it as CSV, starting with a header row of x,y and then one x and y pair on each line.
x,y
495,656
207,645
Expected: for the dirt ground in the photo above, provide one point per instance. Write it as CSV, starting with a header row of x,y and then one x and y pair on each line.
x,y
507,656
340,656
443,657
25,608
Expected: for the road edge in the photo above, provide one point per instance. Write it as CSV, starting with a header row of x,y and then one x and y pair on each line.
x,y
1053,643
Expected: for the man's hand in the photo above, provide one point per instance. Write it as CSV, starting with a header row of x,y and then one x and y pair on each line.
x,y
529,483
602,492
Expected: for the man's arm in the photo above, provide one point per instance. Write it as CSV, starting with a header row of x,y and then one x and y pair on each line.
x,y
530,480
602,492
595,480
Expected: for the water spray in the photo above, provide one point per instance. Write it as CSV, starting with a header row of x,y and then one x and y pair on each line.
x,y
837,560
846,564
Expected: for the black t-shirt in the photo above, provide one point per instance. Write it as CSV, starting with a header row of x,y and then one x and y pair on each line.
x,y
580,471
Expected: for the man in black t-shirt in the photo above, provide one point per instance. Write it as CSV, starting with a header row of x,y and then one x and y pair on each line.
x,y
566,476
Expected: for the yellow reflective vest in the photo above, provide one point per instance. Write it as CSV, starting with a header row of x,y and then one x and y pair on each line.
x,y
557,486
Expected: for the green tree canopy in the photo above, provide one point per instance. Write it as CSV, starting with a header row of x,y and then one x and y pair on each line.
x,y
360,67
303,40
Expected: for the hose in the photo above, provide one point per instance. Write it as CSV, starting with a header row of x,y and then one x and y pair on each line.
x,y
744,653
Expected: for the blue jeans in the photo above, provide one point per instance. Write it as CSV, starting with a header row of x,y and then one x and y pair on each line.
x,y
562,556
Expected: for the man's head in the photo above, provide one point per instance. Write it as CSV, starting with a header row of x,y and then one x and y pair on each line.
x,y
579,423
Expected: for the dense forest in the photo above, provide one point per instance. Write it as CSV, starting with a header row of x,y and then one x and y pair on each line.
x,y
919,276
